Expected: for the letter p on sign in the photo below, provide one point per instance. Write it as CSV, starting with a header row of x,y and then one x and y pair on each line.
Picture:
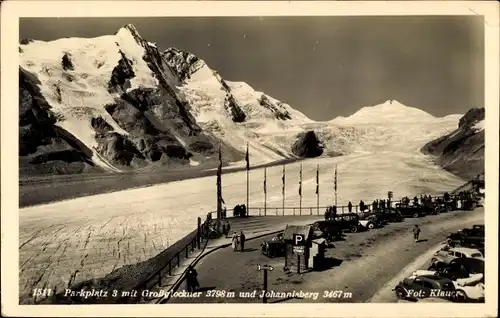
x,y
298,239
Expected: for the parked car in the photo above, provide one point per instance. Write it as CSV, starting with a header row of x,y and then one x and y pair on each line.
x,y
369,224
447,254
473,237
423,286
466,293
273,248
460,267
413,211
389,216
333,228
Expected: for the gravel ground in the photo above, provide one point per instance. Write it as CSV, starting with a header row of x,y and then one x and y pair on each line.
x,y
360,265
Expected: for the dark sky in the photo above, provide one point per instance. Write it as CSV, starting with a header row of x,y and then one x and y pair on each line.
x,y
322,66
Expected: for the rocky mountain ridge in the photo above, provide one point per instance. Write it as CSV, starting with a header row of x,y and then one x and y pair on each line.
x,y
462,151
117,109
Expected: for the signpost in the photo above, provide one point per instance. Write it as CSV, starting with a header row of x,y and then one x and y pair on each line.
x,y
265,268
298,246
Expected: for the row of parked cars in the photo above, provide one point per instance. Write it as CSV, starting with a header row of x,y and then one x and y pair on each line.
x,y
456,271
333,226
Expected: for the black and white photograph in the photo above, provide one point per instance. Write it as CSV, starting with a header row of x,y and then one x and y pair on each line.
x,y
251,159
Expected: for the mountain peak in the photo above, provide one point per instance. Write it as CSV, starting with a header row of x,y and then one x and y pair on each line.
x,y
390,110
129,28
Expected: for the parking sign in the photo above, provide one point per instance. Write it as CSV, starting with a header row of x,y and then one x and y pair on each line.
x,y
299,240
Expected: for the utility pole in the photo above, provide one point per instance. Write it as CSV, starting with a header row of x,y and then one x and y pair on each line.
x,y
265,268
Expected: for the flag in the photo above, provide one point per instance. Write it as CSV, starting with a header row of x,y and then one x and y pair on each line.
x,y
265,177
335,184
283,179
317,179
247,159
300,181
219,178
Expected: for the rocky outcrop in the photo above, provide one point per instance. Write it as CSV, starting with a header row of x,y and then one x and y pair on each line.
x,y
278,110
184,64
66,62
121,73
307,145
472,117
462,151
45,148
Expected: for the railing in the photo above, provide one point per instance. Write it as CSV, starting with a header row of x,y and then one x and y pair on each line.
x,y
309,210
174,255
196,240
305,210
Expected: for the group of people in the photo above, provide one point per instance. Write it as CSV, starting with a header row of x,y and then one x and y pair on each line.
x,y
362,206
381,204
330,212
238,241
240,210
418,201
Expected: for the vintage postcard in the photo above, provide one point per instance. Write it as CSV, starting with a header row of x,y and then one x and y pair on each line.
x,y
250,158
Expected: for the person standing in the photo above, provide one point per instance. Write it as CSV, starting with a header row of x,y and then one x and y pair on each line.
x,y
242,241
416,232
234,241
349,206
191,279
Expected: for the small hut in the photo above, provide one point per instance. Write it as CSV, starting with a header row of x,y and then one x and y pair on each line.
x,y
295,256
317,253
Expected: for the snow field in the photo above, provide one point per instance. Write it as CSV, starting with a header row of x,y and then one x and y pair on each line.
x,y
100,233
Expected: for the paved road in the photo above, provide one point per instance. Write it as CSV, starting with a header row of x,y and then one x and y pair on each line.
x,y
361,265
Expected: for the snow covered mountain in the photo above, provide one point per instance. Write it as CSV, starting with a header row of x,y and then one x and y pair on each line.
x,y
116,103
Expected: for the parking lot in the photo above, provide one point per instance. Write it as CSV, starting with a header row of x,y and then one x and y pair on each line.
x,y
359,266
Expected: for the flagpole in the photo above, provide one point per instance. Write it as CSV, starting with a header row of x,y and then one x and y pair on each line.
x,y
219,184
300,191
265,191
248,171
335,185
283,191
317,188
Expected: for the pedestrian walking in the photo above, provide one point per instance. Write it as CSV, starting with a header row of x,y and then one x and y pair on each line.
x,y
234,241
228,228
192,279
416,232
242,241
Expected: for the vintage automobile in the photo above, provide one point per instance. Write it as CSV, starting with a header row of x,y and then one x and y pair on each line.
x,y
446,254
468,287
333,228
273,248
473,237
369,224
423,286
413,211
389,216
469,293
461,266
441,207
369,220
347,221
